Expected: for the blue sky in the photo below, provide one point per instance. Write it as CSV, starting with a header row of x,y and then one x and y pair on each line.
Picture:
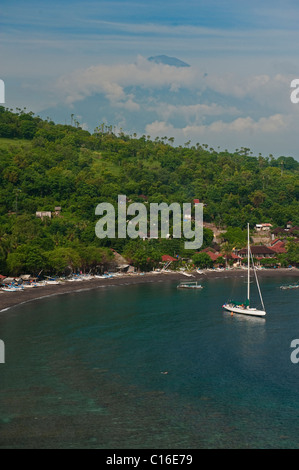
x,y
89,59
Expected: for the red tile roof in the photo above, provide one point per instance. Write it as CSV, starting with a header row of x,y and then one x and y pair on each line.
x,y
233,256
208,250
258,250
279,247
168,258
213,256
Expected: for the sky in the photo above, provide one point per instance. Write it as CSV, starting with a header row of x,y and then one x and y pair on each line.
x,y
89,59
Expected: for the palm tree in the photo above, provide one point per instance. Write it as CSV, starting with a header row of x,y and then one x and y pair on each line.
x,y
226,250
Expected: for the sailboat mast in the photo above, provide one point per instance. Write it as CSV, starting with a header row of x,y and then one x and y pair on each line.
x,y
257,282
248,267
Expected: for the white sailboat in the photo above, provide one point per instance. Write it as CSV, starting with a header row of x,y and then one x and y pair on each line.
x,y
245,308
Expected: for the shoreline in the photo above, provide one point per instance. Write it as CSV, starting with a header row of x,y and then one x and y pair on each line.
x,y
9,300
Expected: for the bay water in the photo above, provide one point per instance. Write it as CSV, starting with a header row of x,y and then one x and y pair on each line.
x,y
150,366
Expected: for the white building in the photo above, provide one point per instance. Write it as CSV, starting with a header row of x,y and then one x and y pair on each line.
x,y
263,227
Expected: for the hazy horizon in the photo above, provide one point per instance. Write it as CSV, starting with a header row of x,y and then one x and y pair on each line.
x,y
90,59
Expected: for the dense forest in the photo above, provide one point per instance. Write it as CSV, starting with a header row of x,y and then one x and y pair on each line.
x,y
44,165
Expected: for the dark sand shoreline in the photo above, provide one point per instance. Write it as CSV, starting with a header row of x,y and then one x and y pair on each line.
x,y
13,299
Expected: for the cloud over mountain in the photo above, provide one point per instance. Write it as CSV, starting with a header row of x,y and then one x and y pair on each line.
x,y
225,109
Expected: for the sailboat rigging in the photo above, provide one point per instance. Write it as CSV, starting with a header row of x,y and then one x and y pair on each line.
x,y
245,309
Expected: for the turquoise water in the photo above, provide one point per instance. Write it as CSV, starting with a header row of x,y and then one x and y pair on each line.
x,y
88,370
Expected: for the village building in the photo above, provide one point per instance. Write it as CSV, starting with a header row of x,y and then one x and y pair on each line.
x,y
263,227
212,253
49,214
43,214
289,231
258,251
278,246
57,211
167,258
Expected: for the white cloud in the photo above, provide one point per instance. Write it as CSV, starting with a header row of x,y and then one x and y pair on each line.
x,y
228,109
111,80
270,125
195,112
259,135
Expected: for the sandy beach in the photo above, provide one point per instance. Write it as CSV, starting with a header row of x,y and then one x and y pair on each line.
x,y
11,299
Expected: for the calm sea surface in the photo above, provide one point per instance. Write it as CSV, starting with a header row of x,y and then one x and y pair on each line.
x,y
88,370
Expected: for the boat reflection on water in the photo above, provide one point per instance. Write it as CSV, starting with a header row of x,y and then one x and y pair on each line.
x,y
249,319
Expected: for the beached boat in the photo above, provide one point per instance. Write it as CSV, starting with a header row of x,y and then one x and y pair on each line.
x,y
245,309
189,285
199,271
52,281
29,284
74,279
13,288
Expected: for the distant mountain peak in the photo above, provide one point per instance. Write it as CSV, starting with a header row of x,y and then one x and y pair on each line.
x,y
164,59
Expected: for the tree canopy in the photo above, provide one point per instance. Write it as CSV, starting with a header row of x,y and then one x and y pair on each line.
x,y
44,165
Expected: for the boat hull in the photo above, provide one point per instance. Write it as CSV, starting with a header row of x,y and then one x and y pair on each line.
x,y
190,287
253,312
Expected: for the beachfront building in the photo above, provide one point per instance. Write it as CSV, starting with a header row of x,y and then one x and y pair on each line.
x,y
258,251
167,260
234,259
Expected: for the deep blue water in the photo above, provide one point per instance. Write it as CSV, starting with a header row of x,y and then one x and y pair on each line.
x,y
88,370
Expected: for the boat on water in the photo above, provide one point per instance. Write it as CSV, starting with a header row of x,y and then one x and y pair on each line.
x,y
245,308
291,286
189,285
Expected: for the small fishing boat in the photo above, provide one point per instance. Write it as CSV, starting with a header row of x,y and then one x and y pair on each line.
x,y
12,288
189,285
29,285
53,283
291,286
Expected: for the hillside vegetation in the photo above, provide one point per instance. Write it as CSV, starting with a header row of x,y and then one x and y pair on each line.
x,y
44,165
